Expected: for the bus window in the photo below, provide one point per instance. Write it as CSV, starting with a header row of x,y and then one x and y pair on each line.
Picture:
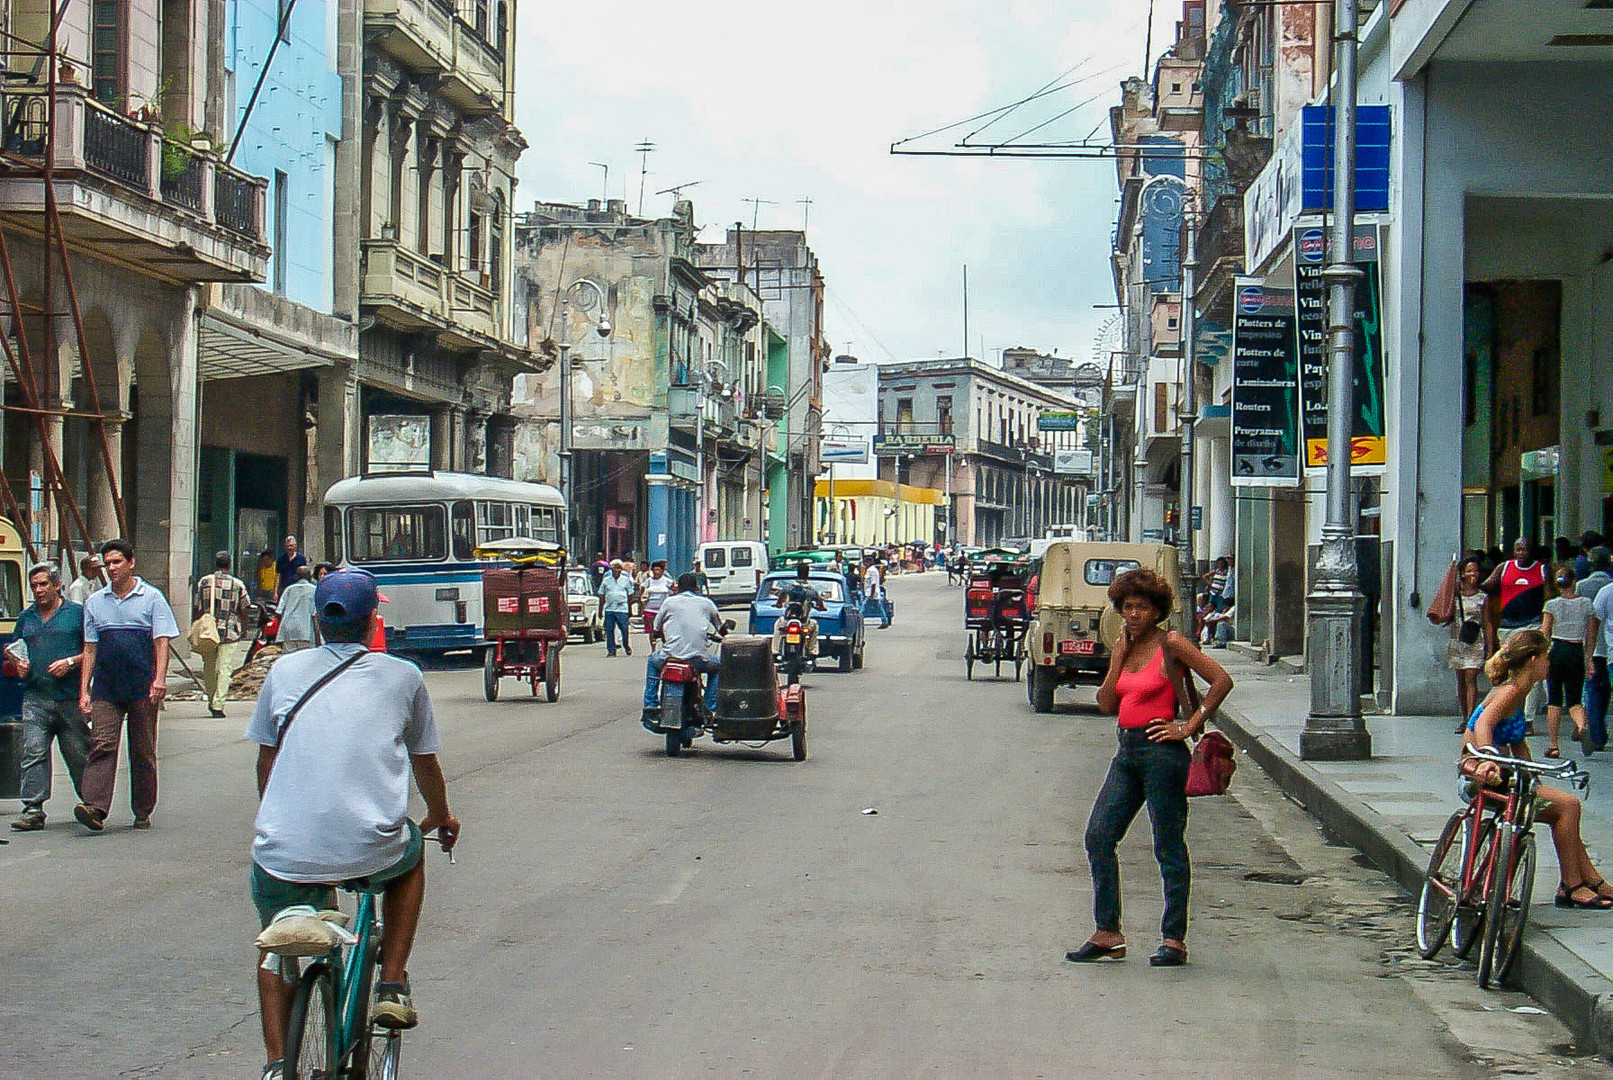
x,y
494,521
463,529
397,534
544,525
333,534
12,600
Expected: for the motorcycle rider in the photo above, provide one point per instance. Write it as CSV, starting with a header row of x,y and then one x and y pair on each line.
x,y
799,591
683,621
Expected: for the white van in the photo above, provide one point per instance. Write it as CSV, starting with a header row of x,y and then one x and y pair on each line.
x,y
734,568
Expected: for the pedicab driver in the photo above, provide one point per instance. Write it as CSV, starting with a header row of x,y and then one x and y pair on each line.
x,y
333,786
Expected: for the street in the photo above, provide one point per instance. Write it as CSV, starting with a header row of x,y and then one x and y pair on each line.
x,y
898,905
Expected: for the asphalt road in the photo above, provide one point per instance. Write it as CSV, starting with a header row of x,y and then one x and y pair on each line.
x,y
731,912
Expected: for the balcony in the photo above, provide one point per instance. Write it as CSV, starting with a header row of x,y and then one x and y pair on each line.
x,y
684,402
428,36
411,292
124,189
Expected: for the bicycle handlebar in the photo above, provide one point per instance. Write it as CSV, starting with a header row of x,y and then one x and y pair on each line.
x,y
443,844
1566,770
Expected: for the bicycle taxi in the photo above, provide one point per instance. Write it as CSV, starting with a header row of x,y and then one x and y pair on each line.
x,y
525,611
996,611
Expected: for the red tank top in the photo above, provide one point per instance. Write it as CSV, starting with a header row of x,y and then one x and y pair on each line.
x,y
1523,593
1146,695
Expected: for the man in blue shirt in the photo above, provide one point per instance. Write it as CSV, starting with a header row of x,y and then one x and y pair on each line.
x,y
615,599
286,566
127,630
53,631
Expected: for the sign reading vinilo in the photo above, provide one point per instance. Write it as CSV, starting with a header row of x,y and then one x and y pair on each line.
x,y
1369,451
1265,387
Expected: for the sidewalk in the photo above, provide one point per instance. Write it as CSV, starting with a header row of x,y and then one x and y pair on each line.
x,y
1393,807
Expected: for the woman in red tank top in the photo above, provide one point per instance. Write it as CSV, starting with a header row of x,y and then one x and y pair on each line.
x,y
1150,767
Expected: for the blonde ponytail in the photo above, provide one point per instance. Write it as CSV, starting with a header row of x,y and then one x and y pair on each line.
x,y
1510,659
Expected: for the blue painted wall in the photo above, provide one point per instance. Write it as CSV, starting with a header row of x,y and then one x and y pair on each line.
x,y
293,129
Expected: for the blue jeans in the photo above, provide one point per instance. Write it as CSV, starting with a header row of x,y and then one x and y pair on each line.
x,y
42,720
1596,697
614,621
1152,774
652,678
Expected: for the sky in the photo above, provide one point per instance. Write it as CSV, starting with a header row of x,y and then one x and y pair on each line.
x,y
791,102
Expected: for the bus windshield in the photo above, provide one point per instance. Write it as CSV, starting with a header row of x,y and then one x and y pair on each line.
x,y
397,534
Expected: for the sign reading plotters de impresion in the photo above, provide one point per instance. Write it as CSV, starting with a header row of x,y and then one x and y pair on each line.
x,y
1265,387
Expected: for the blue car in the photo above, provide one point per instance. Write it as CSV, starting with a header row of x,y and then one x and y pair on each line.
x,y
840,626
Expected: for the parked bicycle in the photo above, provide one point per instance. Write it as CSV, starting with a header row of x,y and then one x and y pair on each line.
x,y
329,1032
1481,875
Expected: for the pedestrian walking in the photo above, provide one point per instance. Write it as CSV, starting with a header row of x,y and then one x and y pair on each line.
x,y
1472,639
701,580
296,611
286,566
1566,622
51,631
1150,767
128,629
1519,585
1600,631
1596,681
90,578
615,595
1589,541
653,591
224,596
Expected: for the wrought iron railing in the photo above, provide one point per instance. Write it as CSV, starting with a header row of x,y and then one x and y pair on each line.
x,y
181,176
115,147
235,204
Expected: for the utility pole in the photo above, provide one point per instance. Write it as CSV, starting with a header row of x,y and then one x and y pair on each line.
x,y
565,426
1334,730
966,311
1187,564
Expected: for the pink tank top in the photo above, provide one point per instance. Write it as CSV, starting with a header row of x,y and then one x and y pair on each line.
x,y
1146,695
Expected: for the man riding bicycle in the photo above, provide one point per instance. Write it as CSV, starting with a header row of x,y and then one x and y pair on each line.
x,y
333,784
801,594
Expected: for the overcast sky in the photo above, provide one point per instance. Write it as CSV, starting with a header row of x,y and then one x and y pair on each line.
x,y
803,102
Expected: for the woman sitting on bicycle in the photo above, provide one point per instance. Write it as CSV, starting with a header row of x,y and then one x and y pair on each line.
x,y
1498,723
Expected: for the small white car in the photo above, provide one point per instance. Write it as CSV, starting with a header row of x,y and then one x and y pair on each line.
x,y
582,607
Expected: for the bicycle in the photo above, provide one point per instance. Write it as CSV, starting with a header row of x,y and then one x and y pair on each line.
x,y
329,1035
1477,890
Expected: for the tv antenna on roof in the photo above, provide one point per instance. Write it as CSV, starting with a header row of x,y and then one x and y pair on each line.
x,y
644,149
677,192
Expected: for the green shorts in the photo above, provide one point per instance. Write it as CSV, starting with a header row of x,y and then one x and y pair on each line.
x,y
271,895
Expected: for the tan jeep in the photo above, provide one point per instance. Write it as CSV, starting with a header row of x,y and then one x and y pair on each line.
x,y
1074,624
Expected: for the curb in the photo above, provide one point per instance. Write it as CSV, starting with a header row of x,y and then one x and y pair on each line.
x,y
1577,994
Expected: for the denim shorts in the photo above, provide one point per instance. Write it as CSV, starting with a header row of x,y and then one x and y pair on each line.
x,y
271,895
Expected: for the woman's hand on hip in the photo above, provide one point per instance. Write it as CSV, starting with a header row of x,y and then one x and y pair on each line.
x,y
1161,731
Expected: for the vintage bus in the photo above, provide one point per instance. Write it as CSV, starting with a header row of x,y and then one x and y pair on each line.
x,y
418,533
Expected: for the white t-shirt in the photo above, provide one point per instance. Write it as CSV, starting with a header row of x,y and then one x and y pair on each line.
x,y
1603,608
656,590
683,621
338,796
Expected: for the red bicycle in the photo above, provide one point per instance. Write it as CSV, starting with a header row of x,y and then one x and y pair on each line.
x,y
1482,874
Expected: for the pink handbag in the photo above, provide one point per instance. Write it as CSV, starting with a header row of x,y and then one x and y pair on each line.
x,y
1214,762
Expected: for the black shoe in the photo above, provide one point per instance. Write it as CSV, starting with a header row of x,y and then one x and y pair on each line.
x,y
1089,953
1168,956
89,817
217,714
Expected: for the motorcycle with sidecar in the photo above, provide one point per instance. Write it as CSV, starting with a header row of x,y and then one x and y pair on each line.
x,y
752,707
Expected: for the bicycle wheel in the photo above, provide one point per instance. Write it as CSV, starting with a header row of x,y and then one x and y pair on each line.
x,y
387,1053
311,1028
1442,888
359,1060
1469,923
1508,910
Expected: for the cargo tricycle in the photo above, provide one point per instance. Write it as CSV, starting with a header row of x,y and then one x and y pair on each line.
x,y
524,608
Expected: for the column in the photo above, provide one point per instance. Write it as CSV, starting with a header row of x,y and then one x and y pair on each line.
x,y
442,439
166,455
1220,538
659,526
339,444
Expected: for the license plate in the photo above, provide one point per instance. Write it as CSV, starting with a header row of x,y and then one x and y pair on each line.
x,y
793,639
1078,648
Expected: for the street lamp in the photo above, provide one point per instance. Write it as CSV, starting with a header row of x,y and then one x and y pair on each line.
x,y
602,327
1334,730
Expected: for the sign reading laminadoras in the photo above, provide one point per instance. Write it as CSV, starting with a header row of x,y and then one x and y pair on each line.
x,y
894,445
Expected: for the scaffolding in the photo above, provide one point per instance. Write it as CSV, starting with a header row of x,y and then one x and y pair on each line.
x,y
28,98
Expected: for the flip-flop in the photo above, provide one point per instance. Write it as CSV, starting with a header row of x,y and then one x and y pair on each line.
x,y
1552,751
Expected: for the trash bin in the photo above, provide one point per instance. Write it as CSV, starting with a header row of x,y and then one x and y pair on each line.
x,y
10,759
